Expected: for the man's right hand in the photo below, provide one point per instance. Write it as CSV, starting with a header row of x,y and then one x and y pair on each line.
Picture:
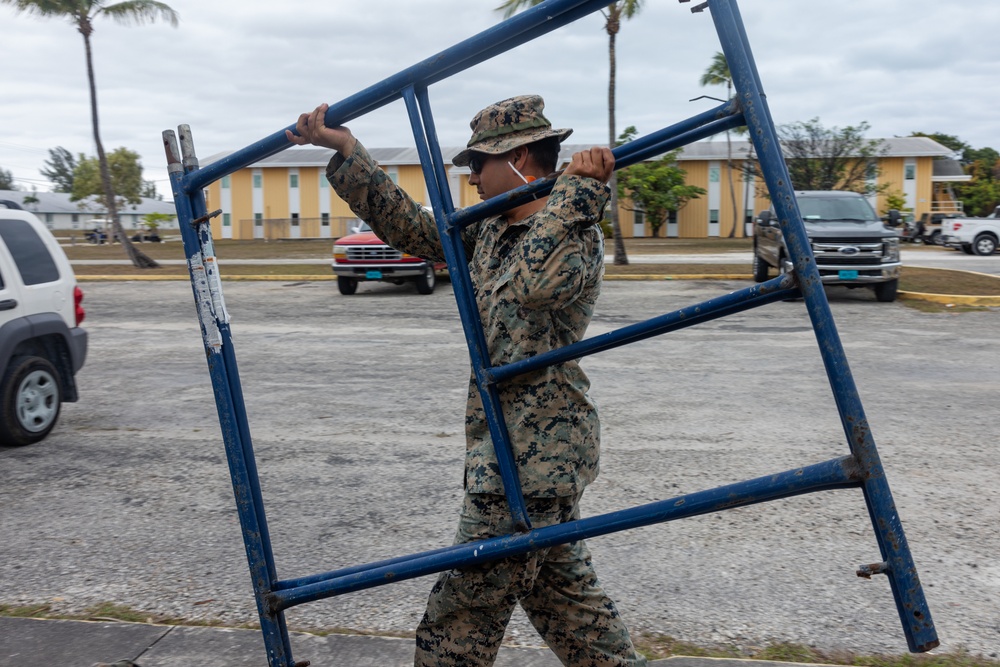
x,y
312,130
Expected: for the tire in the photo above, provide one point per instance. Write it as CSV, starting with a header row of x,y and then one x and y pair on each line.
x,y
967,249
426,282
347,286
886,292
935,238
759,268
984,244
30,401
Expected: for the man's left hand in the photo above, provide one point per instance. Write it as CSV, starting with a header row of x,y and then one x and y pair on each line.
x,y
597,162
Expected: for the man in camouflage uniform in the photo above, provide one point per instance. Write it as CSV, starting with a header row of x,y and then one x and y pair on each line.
x,y
536,271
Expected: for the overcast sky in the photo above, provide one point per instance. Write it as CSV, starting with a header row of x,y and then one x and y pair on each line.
x,y
239,70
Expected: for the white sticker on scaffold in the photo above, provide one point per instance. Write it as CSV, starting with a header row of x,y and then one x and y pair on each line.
x,y
210,327
215,285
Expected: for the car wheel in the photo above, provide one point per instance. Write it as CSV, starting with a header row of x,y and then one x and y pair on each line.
x,y
347,286
426,282
984,244
759,269
886,292
30,399
935,237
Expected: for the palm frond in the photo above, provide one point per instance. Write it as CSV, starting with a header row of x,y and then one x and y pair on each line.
x,y
138,12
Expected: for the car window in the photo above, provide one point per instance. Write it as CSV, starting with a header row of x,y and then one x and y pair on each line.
x,y
30,254
836,208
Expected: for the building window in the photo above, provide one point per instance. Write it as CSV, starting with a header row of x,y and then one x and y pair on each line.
x,y
748,216
295,219
911,172
226,220
323,183
48,217
258,181
293,180
713,175
393,174
324,219
225,182
258,219
871,170
713,216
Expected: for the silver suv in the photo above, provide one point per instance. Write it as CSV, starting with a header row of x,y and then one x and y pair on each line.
x,y
42,345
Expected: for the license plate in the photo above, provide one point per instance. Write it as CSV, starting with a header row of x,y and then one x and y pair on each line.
x,y
377,275
847,275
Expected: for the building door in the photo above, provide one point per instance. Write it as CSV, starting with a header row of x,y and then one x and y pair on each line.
x,y
714,197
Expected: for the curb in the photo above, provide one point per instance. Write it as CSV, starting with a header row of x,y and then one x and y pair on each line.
x,y
954,299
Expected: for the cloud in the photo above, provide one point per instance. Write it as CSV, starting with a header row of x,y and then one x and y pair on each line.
x,y
238,71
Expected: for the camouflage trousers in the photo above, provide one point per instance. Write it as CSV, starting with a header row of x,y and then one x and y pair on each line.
x,y
469,608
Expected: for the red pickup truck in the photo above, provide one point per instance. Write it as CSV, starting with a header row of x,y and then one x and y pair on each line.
x,y
364,256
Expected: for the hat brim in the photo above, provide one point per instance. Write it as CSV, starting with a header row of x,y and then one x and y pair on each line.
x,y
507,142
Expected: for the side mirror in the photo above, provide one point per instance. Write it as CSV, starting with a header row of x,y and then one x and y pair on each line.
x,y
765,218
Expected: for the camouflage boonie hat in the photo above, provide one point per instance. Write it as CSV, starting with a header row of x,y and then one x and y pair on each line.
x,y
504,126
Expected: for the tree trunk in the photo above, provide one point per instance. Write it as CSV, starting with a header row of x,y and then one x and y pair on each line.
x,y
613,25
729,166
139,258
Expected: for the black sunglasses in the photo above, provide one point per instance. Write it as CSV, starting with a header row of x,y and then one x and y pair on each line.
x,y
477,162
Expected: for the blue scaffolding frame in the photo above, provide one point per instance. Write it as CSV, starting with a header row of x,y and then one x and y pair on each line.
x,y
862,468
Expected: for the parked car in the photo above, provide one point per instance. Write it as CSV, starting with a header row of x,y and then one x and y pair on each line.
x,y
363,256
42,345
851,245
974,236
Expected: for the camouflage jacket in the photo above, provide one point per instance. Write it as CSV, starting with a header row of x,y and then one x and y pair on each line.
x,y
536,282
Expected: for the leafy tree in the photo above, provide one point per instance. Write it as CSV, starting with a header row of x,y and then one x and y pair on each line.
x,y
126,178
60,166
82,13
613,15
895,201
149,191
986,156
656,187
718,74
152,221
821,158
982,194
7,180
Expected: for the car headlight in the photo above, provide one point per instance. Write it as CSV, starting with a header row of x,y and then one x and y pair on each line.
x,y
890,252
339,252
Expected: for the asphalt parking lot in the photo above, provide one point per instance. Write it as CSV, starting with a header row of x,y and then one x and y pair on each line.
x,y
356,407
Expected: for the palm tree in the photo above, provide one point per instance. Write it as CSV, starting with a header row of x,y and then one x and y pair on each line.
x,y
82,13
613,15
718,74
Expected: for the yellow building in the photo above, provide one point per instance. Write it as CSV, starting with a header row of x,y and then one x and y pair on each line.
x,y
287,195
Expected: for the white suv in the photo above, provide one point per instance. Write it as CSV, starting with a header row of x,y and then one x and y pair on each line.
x,y
41,343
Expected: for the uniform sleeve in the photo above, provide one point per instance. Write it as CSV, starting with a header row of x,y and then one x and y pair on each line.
x,y
391,213
562,252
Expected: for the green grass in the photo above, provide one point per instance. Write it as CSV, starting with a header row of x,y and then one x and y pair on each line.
x,y
914,279
656,647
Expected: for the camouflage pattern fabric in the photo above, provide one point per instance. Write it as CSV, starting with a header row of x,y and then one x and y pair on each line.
x,y
536,283
469,609
507,124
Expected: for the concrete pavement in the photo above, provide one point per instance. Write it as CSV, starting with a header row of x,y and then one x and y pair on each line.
x,y
31,642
